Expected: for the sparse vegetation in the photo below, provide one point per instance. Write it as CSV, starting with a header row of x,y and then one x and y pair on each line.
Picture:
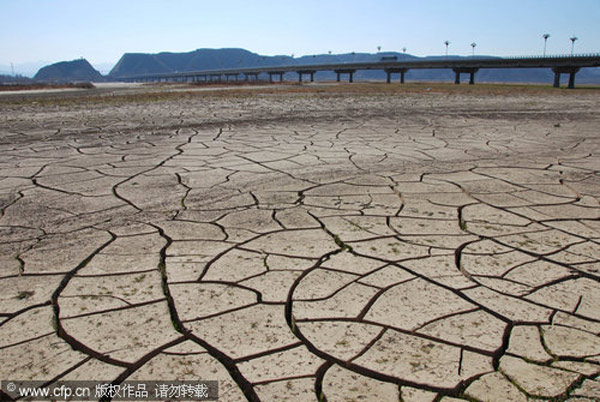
x,y
36,85
153,93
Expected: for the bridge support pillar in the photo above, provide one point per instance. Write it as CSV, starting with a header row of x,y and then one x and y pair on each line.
x,y
459,70
251,74
272,73
348,71
556,79
390,71
565,70
308,72
571,80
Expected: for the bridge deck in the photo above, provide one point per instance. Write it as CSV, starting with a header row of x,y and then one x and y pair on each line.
x,y
559,64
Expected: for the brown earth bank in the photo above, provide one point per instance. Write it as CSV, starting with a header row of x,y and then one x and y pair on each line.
x,y
150,92
27,87
425,242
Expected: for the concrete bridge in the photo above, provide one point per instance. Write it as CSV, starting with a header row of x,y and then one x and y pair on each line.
x,y
468,65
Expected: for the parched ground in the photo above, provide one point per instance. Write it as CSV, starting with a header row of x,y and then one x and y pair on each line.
x,y
314,242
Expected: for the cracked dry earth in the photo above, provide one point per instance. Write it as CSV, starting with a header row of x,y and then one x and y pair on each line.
x,y
413,247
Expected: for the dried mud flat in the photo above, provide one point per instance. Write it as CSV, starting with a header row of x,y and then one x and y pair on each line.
x,y
414,246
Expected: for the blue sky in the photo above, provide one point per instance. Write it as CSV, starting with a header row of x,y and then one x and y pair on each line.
x,y
102,30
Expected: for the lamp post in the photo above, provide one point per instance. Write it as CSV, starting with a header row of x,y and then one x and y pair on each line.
x,y
473,46
447,43
545,36
573,39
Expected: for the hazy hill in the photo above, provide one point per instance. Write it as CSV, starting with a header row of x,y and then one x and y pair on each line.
x,y
201,59
69,71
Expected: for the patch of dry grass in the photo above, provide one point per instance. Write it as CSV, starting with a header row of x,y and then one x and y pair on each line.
x,y
178,91
28,87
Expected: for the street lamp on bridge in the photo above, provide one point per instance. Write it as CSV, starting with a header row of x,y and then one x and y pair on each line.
x,y
447,43
573,39
473,46
545,36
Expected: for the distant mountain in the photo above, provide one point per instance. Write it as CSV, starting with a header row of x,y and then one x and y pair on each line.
x,y
69,71
201,59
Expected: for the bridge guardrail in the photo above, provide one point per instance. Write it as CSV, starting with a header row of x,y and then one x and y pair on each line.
x,y
554,56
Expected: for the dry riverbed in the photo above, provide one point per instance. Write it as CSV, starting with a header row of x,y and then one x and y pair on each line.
x,y
353,242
